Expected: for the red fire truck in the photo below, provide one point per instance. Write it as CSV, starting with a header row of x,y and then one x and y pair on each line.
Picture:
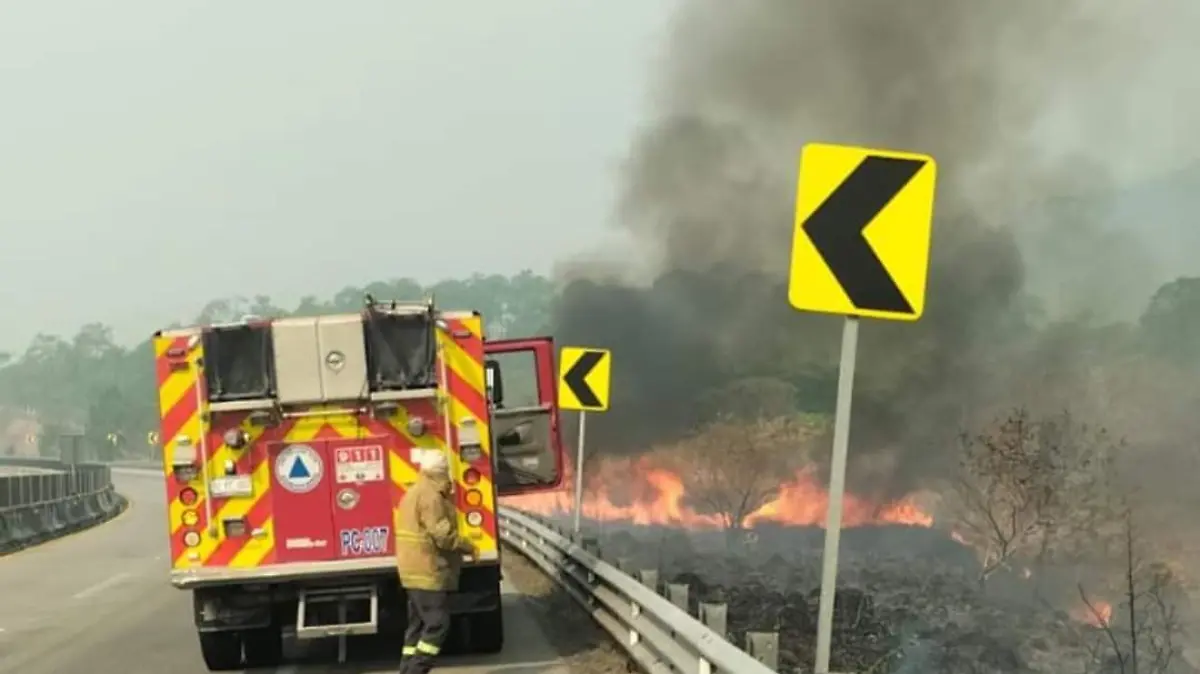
x,y
289,442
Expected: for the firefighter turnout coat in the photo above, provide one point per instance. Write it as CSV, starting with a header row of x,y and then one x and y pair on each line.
x,y
429,549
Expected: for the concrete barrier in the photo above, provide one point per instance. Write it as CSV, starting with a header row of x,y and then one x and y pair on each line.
x,y
37,507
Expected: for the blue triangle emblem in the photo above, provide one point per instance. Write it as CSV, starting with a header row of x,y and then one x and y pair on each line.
x,y
299,471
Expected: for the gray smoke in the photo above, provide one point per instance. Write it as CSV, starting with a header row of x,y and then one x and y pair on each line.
x,y
1031,107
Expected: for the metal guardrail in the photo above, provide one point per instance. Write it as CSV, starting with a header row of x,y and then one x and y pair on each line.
x,y
65,482
657,633
65,498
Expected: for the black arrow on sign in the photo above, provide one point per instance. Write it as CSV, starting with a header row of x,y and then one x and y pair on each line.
x,y
836,230
576,378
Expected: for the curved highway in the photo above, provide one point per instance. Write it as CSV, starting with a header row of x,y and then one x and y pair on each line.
x,y
99,601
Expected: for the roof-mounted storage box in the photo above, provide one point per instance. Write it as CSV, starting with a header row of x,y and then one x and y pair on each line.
x,y
320,359
238,362
402,348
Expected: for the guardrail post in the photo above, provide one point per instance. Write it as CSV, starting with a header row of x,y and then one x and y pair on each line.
x,y
649,578
715,617
764,647
677,593
591,545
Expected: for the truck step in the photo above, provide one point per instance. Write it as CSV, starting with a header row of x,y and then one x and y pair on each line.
x,y
337,612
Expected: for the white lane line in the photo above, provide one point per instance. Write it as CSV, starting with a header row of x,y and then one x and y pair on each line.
x,y
101,586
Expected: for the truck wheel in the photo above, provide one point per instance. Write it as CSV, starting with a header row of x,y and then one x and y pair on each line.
x,y
486,631
264,646
222,651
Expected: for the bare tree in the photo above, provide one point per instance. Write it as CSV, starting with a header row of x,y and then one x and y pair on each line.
x,y
734,468
1140,635
1031,488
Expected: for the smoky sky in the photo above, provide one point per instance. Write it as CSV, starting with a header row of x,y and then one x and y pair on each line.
x,y
1031,109
157,155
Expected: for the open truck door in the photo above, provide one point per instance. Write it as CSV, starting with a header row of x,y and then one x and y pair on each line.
x,y
522,391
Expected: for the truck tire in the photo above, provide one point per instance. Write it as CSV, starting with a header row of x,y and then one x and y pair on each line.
x,y
485,631
264,646
222,651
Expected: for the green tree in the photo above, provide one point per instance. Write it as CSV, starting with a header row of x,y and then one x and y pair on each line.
x,y
1171,322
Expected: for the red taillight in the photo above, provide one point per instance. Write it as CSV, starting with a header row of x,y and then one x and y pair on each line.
x,y
471,477
187,496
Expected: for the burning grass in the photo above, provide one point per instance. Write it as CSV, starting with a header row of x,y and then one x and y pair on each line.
x,y
652,489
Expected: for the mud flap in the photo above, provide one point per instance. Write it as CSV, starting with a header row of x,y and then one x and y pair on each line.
x,y
218,611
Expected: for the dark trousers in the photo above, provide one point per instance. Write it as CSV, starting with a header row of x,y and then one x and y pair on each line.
x,y
428,627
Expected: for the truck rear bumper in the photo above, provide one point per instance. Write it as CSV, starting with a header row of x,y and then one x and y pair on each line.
x,y
256,603
190,579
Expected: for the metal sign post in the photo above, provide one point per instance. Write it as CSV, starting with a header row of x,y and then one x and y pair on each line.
x,y
837,490
575,526
76,440
837,269
583,383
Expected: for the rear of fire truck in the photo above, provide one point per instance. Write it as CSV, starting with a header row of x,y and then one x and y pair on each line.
x,y
288,444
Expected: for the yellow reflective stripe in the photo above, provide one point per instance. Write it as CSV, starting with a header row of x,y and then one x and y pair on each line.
x,y
416,575
408,650
428,648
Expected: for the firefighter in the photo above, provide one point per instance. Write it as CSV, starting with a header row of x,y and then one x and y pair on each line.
x,y
428,557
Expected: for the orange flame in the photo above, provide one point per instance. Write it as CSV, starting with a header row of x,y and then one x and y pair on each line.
x,y
1099,614
639,492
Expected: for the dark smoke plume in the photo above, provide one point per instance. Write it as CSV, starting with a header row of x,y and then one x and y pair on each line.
x,y
1020,101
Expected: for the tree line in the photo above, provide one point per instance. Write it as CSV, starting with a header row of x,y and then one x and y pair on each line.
x,y
90,383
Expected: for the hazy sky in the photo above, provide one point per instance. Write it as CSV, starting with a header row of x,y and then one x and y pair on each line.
x,y
158,154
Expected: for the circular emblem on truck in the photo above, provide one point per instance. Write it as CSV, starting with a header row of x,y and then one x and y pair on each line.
x,y
298,469
347,498
335,360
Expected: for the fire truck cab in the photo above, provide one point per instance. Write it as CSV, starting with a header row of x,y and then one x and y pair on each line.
x,y
289,442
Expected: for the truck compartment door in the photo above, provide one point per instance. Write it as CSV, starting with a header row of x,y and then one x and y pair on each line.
x,y
301,489
526,443
361,497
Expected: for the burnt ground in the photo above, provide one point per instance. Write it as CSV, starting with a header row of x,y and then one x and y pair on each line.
x,y
582,644
908,601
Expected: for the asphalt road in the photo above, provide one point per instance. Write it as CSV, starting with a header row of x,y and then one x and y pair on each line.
x,y
99,602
